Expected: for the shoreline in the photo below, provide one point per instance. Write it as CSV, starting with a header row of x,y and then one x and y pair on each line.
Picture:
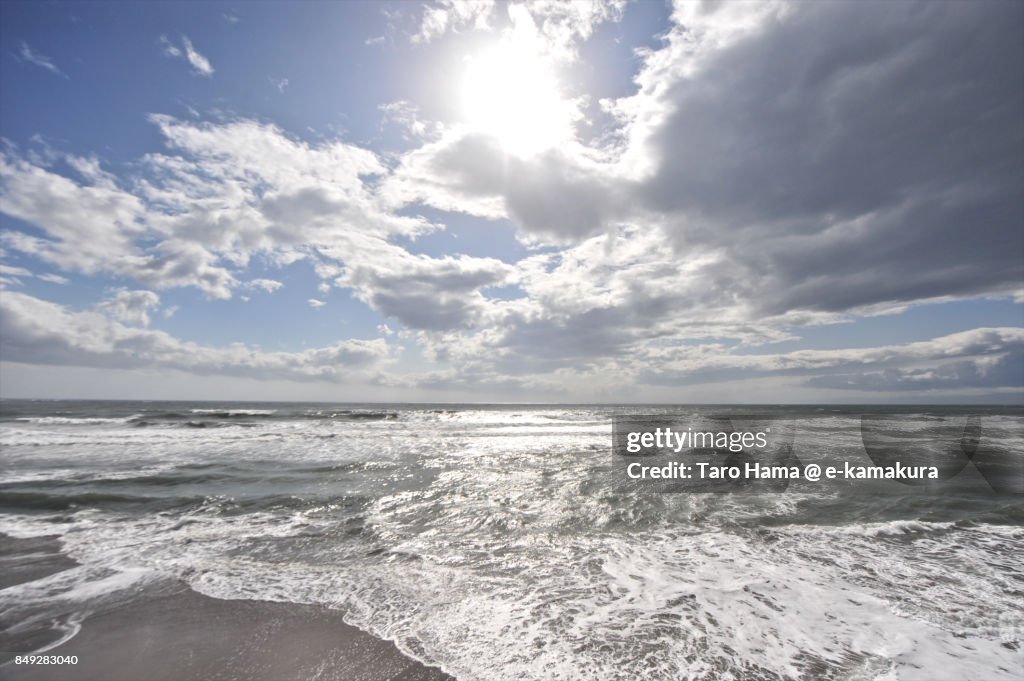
x,y
185,635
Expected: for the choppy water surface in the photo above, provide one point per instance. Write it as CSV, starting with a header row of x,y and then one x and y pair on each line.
x,y
500,542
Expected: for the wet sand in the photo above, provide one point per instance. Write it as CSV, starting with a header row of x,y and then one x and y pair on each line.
x,y
26,560
185,636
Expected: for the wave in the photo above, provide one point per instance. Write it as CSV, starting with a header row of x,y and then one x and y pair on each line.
x,y
467,416
501,544
228,413
75,420
892,528
214,417
41,501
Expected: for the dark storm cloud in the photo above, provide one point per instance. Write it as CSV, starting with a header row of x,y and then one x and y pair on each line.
x,y
855,153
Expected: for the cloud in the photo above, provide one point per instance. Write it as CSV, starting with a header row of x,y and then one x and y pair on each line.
x,y
776,167
624,307
170,49
90,227
427,293
986,362
600,302
200,64
561,26
978,358
823,157
565,25
279,83
178,262
406,116
26,53
452,15
262,187
223,193
268,285
131,307
316,304
11,275
419,291
560,196
12,271
826,152
36,331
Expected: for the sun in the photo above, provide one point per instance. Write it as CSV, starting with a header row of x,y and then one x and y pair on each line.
x,y
511,93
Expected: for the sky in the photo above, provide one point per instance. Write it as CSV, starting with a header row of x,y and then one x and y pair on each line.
x,y
487,201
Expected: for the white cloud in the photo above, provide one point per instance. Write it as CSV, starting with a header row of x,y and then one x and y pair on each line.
x,y
565,25
26,53
12,271
200,64
406,116
91,226
420,291
131,307
268,285
314,303
279,83
233,190
12,275
562,26
223,193
453,15
36,331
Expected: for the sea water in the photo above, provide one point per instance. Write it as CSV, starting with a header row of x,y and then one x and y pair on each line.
x,y
500,542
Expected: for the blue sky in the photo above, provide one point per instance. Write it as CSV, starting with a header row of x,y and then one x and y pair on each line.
x,y
487,201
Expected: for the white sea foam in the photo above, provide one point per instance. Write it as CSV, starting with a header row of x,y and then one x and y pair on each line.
x,y
499,545
529,606
235,412
74,421
890,528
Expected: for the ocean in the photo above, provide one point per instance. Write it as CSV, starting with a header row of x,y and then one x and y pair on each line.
x,y
503,542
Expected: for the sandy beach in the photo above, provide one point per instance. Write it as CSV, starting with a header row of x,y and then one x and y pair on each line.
x,y
186,635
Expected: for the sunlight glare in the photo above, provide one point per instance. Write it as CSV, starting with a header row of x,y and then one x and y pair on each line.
x,y
511,93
